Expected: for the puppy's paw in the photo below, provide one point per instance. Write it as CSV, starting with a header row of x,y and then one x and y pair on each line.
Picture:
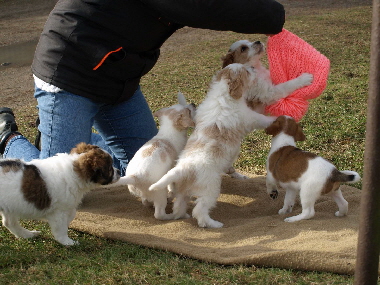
x,y
339,214
292,219
285,210
35,233
238,176
210,224
68,241
305,79
29,234
164,217
274,194
180,216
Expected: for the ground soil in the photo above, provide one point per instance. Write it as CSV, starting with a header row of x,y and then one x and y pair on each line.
x,y
21,22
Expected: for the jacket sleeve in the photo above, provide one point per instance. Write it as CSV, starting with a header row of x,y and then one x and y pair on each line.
x,y
242,16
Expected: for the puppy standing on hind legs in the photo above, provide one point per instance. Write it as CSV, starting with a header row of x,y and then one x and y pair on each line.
x,y
222,120
158,155
261,92
250,54
302,172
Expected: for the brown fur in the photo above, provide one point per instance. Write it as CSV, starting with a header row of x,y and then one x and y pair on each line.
x,y
181,120
238,56
167,149
148,151
34,188
288,163
223,135
289,126
187,181
94,164
11,165
334,181
237,82
255,105
215,148
83,147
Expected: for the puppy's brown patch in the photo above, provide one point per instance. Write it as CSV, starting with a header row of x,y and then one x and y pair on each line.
x,y
181,118
214,148
34,188
239,55
148,151
166,149
224,135
255,105
287,125
94,164
187,181
83,147
334,180
11,165
237,80
288,163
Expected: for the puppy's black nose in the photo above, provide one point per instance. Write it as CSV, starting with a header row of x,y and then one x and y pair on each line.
x,y
118,171
257,42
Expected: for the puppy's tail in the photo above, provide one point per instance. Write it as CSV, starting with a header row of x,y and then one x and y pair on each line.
x,y
165,180
346,176
124,181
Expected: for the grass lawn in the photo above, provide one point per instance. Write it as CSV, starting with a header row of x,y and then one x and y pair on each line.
x,y
334,126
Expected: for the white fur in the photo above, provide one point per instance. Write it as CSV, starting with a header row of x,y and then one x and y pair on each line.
x,y
206,157
250,54
64,186
143,171
309,185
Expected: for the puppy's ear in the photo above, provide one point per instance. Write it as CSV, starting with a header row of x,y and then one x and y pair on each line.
x,y
158,113
181,99
83,147
274,128
183,120
238,82
227,59
300,136
95,166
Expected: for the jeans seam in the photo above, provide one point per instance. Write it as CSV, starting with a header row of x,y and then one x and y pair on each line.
x,y
9,144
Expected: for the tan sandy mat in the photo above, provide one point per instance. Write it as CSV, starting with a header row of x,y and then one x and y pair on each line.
x,y
253,232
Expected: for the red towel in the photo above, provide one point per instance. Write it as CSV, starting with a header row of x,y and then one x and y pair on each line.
x,y
289,56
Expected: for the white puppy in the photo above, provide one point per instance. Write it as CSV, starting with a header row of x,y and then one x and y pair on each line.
x,y
51,189
301,172
158,155
222,120
262,91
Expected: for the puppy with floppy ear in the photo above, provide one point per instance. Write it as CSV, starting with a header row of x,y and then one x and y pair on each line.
x,y
262,92
52,188
301,172
158,155
222,120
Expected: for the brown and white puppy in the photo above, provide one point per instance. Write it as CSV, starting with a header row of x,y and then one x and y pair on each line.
x,y
222,120
262,92
301,172
52,188
158,155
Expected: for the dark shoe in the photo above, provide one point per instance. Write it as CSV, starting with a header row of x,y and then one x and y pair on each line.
x,y
8,126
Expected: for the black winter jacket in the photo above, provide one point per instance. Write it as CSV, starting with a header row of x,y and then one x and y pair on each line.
x,y
100,49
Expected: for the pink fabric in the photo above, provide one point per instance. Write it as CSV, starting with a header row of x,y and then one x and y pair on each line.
x,y
289,56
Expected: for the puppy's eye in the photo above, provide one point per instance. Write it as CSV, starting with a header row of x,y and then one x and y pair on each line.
x,y
243,48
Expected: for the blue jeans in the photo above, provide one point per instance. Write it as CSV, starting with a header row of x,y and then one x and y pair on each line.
x,y
67,119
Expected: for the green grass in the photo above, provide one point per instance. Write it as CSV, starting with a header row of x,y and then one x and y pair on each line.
x,y
334,126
